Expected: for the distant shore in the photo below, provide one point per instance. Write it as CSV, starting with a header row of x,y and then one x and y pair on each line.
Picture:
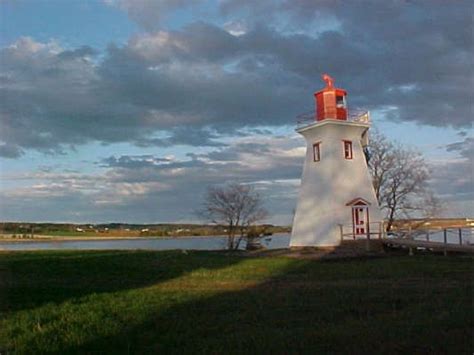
x,y
50,238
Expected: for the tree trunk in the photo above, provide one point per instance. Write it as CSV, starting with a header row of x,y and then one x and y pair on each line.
x,y
390,219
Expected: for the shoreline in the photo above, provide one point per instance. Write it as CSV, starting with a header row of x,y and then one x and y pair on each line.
x,y
54,238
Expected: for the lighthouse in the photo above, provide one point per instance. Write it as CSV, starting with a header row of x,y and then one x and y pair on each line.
x,y
336,194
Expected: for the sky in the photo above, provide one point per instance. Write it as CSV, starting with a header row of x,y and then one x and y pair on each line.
x,y
128,110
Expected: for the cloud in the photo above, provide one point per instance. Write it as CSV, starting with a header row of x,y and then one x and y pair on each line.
x,y
148,188
380,48
150,13
10,151
133,162
153,188
236,28
465,148
453,179
55,98
83,52
193,84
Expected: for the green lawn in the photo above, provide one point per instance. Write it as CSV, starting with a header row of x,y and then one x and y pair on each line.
x,y
213,303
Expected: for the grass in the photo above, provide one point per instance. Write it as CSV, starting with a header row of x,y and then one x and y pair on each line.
x,y
213,303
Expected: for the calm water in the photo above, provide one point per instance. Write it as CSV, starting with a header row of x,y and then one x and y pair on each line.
x,y
191,243
151,243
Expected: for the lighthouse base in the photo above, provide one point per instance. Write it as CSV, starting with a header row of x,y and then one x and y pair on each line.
x,y
347,249
323,236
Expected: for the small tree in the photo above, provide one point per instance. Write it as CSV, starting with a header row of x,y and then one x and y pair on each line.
x,y
236,206
400,178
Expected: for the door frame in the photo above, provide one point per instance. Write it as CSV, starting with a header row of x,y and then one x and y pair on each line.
x,y
356,215
356,204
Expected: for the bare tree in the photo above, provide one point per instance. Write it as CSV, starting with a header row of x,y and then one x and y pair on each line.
x,y
236,206
401,180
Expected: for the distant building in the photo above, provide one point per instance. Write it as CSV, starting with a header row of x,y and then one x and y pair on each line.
x,y
336,186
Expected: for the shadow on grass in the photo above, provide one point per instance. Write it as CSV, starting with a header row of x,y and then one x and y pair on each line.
x,y
344,306
30,279
257,305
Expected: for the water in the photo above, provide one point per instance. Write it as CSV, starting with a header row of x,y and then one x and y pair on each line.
x,y
190,243
151,243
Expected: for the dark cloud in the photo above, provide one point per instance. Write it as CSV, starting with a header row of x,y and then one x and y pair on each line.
x,y
465,148
191,85
414,56
150,13
10,151
235,152
130,97
190,136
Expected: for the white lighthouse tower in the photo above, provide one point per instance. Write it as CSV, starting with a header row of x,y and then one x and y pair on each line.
x,y
336,187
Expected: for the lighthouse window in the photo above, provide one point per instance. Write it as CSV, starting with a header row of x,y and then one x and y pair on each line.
x,y
340,102
347,149
316,151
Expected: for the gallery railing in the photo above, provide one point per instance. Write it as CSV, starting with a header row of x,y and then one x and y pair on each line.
x,y
308,118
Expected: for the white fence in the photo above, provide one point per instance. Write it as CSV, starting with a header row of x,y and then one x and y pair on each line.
x,y
376,230
460,236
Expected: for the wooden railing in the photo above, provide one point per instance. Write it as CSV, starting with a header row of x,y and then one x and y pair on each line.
x,y
440,239
442,235
434,239
375,230
447,235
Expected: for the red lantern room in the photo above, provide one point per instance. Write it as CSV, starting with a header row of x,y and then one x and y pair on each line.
x,y
330,101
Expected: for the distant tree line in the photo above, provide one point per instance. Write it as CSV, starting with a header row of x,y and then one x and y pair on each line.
x,y
112,229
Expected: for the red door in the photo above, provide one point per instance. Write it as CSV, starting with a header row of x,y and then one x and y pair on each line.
x,y
360,219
